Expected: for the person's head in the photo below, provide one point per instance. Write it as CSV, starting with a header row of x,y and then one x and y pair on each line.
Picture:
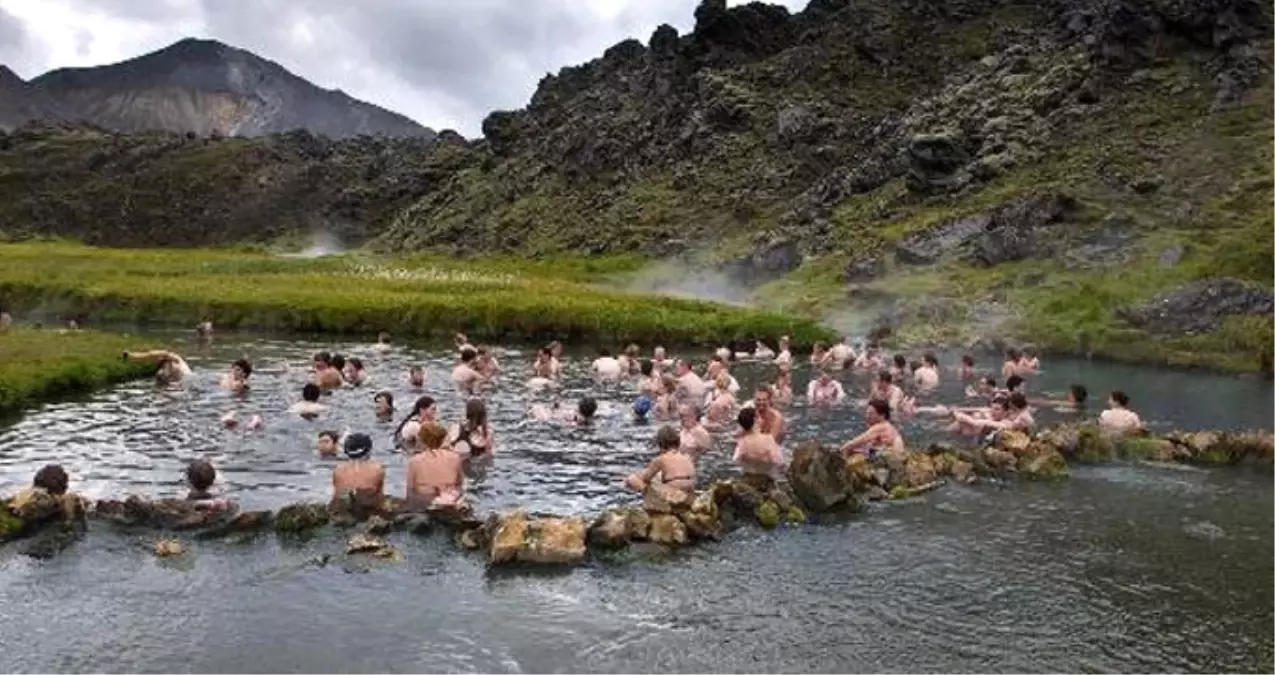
x,y
555,348
169,370
825,377
914,365
885,379
689,414
659,354
431,436
201,475
322,358
747,418
311,392
1013,383
416,376
967,361
241,369
783,377
722,382
384,402
683,367
642,406
646,368
930,359
714,368
586,409
784,342
53,478
424,409
1029,352
484,352
604,353
669,384
355,364
632,351
203,329
358,446
1077,394
1119,399
877,411
900,361
468,354
763,398
987,385
383,337
338,361
476,413
999,408
328,442
667,438
1012,354
544,355
1017,401
873,349
820,348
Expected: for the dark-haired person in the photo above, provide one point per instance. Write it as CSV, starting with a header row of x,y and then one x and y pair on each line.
x,y
581,416
881,436
675,468
966,370
309,405
423,412
354,371
464,375
1118,416
1077,395
416,378
887,391
172,368
200,476
384,405
824,390
648,381
870,359
236,379
486,363
819,355
755,451
360,478
329,442
1014,384
1010,366
926,377
472,437
985,388
382,343
326,374
899,368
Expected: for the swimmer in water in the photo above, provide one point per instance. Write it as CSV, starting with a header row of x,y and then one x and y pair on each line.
x,y
841,355
781,390
967,368
464,376
695,439
607,367
819,355
1118,416
1014,383
870,359
229,421
1012,364
887,391
486,363
785,353
1077,395
691,386
236,379
204,331
309,406
629,359
716,368
985,388
721,403
326,374
461,341
666,400
382,343
824,390
1028,362
328,443
581,416
899,369
171,367
659,359
355,372
881,435
416,378
424,411
648,382
384,405
473,437
435,475
555,349
769,420
926,377
360,477
756,452
675,469
200,476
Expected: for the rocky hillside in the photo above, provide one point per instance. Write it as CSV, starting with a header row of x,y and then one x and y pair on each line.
x,y
1056,171
21,103
206,87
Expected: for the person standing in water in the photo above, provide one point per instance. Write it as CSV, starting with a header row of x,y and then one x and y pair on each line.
x,y
691,386
486,364
926,377
648,382
886,390
236,378
354,372
756,452
360,479
435,475
326,376
721,404
423,412
881,435
1118,416
769,420
785,352
309,405
607,367
824,390
695,439
464,376
967,368
382,343
659,360
674,469
473,437
416,378
841,355
384,405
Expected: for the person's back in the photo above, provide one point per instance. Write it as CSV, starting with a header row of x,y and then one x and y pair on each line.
x,y
435,475
756,452
360,476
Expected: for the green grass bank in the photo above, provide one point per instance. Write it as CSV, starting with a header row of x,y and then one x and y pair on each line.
x,y
44,365
492,299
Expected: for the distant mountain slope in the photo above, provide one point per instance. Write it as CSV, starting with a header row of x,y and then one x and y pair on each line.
x,y
207,87
21,103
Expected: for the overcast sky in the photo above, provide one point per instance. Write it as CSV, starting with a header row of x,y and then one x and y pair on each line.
x,y
445,63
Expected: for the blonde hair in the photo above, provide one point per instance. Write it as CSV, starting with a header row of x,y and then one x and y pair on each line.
x,y
723,381
431,436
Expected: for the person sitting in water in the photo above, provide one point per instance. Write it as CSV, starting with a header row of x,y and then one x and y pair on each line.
x,y
985,388
629,359
870,359
899,368
819,355
886,390
666,400
781,388
423,412
383,402
719,367
328,443
1118,416
200,475
486,364
881,435
473,437
230,421
581,416
841,355
360,479
1077,394
755,451
690,386
721,402
695,439
660,361
674,469
607,367
309,405
435,475
204,330
769,420
1014,383
785,352
642,407
824,390
382,343
462,342
543,366
354,372
464,376
648,383
338,364
1028,362
172,368
966,370
926,377
1005,413
416,378
236,379
555,350
326,374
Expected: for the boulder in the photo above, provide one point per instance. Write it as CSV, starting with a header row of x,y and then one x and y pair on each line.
x,y
33,508
377,525
610,530
243,523
667,530
1199,306
543,540
660,498
822,478
702,520
768,514
167,548
299,518
933,161
169,514
368,544
950,464
999,461
1092,445
1009,440
918,471
1042,461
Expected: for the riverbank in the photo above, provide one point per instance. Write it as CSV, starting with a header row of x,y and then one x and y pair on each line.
x,y
43,365
499,298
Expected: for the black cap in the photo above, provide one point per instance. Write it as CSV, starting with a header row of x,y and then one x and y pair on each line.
x,y
358,446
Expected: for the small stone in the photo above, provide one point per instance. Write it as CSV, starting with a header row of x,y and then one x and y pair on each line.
x,y
166,548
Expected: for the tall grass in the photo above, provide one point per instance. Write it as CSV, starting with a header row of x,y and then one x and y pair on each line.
x,y
492,299
40,365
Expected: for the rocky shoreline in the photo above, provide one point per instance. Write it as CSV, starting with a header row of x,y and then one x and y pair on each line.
x,y
820,483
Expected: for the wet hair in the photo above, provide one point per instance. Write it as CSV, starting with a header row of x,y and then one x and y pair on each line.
x,y
1018,401
587,407
632,350
1012,354
717,358
989,381
201,474
475,413
900,360
646,367
389,398
431,436
885,376
930,359
764,389
330,434
820,346
882,408
311,392
689,408
323,357
468,354
747,418
604,352
242,364
1120,398
914,365
1002,401
722,381
356,362
1013,382
383,337
1079,393
669,383
338,361
968,360
422,403
667,438
416,369
53,478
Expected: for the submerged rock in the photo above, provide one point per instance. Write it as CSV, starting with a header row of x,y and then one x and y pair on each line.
x,y
1041,461
167,548
660,498
547,540
299,518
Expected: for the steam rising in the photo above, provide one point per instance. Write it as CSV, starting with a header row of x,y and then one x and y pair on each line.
x,y
322,243
682,279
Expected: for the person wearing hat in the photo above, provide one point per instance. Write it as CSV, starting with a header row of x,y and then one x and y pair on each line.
x,y
642,407
360,476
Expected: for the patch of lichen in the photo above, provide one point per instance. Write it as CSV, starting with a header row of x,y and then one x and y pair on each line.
x,y
10,525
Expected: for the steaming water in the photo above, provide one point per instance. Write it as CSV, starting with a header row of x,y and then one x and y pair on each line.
x,y
321,244
1124,567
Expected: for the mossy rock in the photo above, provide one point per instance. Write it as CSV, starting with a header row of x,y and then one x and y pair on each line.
x,y
900,492
795,516
1093,445
11,526
768,514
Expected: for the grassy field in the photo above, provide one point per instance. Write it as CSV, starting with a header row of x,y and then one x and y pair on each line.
x,y
496,298
39,365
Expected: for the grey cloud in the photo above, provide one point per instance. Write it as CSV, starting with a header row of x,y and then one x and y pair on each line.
x,y
13,38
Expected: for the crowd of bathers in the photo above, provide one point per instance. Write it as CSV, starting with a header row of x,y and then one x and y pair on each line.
x,y
692,400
